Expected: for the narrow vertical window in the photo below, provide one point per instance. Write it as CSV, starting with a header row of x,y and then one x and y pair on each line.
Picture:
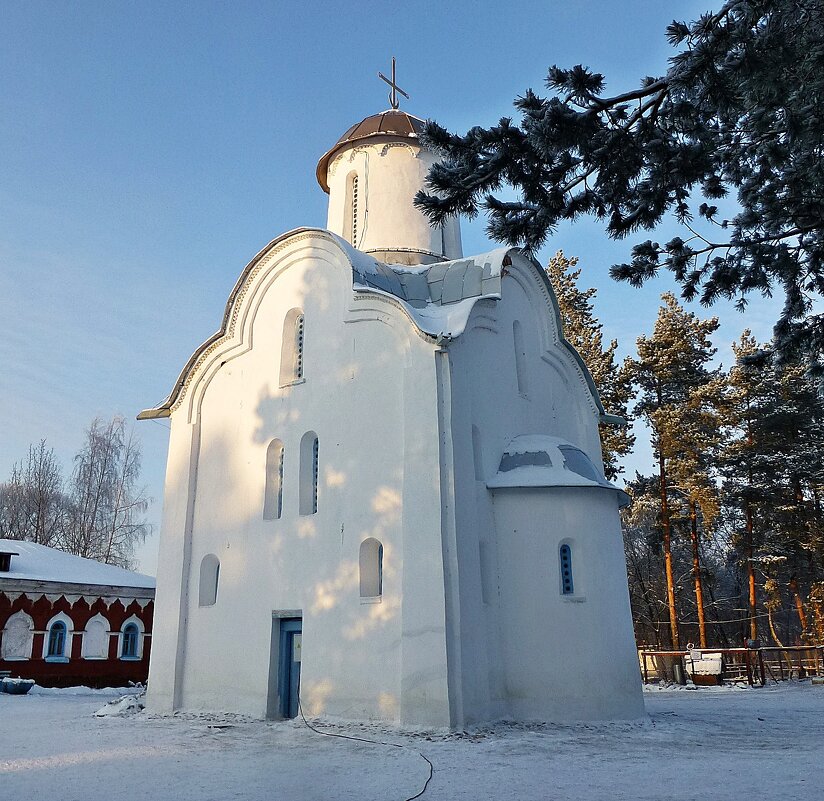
x,y
520,356
57,640
292,346
351,209
299,347
355,210
315,476
371,568
131,635
209,578
309,471
273,492
565,554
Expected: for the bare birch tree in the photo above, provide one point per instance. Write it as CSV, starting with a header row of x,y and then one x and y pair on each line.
x,y
32,502
108,505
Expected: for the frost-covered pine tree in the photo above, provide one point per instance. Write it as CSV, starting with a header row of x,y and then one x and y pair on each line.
x,y
738,113
583,331
670,372
773,468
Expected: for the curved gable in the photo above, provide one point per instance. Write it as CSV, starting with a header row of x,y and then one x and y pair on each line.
x,y
533,279
229,336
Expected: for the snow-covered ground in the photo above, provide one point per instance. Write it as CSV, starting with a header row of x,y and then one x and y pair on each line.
x,y
707,744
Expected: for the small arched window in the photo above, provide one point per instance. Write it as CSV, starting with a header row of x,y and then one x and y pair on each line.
x,y
565,559
131,638
209,577
520,356
273,492
291,353
57,640
308,501
371,568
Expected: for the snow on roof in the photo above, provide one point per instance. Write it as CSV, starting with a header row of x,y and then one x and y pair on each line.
x,y
437,297
540,460
41,563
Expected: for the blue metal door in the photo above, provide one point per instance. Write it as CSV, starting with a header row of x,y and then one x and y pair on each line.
x,y
291,637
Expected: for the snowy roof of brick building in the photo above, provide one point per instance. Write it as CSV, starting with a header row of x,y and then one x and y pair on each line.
x,y
35,562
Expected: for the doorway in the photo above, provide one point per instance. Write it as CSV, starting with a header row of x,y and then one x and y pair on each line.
x,y
290,636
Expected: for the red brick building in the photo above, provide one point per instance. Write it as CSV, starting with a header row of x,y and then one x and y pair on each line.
x,y
65,620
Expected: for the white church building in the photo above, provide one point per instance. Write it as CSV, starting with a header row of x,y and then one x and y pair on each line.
x,y
384,495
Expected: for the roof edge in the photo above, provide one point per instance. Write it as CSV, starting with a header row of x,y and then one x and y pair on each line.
x,y
322,170
164,409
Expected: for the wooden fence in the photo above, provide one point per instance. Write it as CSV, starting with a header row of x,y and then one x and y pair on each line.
x,y
753,665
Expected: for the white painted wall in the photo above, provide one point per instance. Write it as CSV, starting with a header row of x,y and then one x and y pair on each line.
x,y
389,176
525,652
369,394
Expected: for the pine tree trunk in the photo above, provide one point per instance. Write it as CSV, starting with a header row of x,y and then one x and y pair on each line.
x,y
748,553
696,575
665,522
799,606
818,617
774,632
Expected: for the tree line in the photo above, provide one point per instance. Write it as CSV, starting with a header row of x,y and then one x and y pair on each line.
x,y
726,140
97,511
724,539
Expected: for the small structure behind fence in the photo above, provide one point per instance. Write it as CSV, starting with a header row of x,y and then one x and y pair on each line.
x,y
752,665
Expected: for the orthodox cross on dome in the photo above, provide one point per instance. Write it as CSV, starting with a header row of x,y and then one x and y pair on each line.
x,y
393,95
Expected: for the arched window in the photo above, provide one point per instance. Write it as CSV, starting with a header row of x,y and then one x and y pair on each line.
x,y
565,558
520,356
291,352
18,635
131,638
371,568
273,493
351,223
308,501
57,644
95,643
209,577
57,640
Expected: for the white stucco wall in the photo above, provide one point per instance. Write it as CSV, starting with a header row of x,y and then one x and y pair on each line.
x,y
505,598
471,625
564,657
389,176
369,394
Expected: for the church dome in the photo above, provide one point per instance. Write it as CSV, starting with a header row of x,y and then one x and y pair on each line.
x,y
389,124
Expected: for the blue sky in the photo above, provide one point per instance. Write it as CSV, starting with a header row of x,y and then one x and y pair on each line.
x,y
149,150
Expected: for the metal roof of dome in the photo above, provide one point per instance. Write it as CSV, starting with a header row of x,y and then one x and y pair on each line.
x,y
388,124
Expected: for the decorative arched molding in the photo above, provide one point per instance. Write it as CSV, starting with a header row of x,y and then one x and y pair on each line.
x,y
95,644
291,347
234,336
18,637
380,149
123,640
51,639
415,151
